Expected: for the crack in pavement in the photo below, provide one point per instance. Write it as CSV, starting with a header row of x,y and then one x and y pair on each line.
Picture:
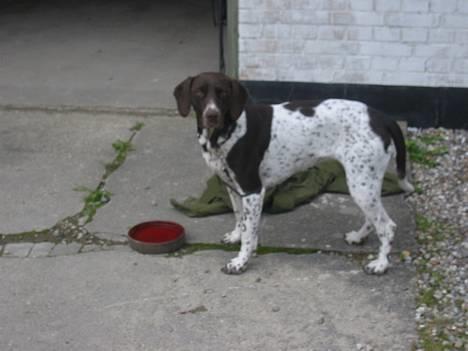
x,y
71,229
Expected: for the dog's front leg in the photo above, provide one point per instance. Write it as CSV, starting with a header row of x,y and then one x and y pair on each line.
x,y
251,213
234,236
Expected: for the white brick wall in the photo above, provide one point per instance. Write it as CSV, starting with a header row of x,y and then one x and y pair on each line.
x,y
390,42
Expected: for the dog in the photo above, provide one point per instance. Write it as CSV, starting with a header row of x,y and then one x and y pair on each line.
x,y
254,147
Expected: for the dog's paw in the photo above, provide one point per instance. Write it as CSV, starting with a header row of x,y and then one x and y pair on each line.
x,y
376,267
234,267
354,238
232,237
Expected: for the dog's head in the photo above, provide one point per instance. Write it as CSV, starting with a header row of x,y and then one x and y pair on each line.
x,y
217,99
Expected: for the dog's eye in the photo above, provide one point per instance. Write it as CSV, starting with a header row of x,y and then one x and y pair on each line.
x,y
200,94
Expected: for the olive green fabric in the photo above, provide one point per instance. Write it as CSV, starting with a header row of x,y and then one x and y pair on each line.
x,y
327,176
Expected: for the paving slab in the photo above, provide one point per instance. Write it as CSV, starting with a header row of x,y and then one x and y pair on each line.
x,y
41,249
44,157
64,249
127,301
113,53
167,164
17,249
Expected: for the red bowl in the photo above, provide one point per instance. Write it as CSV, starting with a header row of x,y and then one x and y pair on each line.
x,y
156,237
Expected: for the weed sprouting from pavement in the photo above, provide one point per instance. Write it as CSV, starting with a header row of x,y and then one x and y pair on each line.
x,y
93,200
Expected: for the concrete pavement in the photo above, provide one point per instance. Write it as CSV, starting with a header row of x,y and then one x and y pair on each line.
x,y
79,287
120,300
112,53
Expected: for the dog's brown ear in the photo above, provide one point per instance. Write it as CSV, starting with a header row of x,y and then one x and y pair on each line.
x,y
182,96
238,99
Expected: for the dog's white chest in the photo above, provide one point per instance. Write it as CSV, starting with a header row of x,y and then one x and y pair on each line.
x,y
216,159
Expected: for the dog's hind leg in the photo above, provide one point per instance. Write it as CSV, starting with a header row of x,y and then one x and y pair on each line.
x,y
365,186
385,229
234,236
250,220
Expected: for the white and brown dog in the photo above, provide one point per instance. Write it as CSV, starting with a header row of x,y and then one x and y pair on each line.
x,y
254,147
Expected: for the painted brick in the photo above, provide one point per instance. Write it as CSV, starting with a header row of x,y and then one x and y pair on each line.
x,y
259,61
389,49
331,33
412,64
291,46
258,45
307,4
362,5
415,5
276,30
441,36
247,30
357,77
320,62
443,6
411,19
257,16
312,76
434,50
265,4
359,33
461,37
267,31
408,42
382,63
244,4
331,47
306,17
387,5
414,34
455,20
462,6
335,4
438,65
304,31
387,34
461,65
358,63
406,78
362,18
342,18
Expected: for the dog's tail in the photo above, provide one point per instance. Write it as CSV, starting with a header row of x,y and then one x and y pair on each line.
x,y
400,146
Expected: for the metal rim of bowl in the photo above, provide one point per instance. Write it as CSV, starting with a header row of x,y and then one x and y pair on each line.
x,y
156,248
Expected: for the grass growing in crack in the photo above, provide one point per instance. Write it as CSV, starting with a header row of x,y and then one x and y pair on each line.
x,y
122,148
93,200
96,198
422,150
261,250
137,127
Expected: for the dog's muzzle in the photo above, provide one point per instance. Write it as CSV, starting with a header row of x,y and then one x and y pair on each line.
x,y
212,116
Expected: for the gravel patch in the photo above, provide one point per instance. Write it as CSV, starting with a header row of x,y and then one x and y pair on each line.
x,y
440,173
